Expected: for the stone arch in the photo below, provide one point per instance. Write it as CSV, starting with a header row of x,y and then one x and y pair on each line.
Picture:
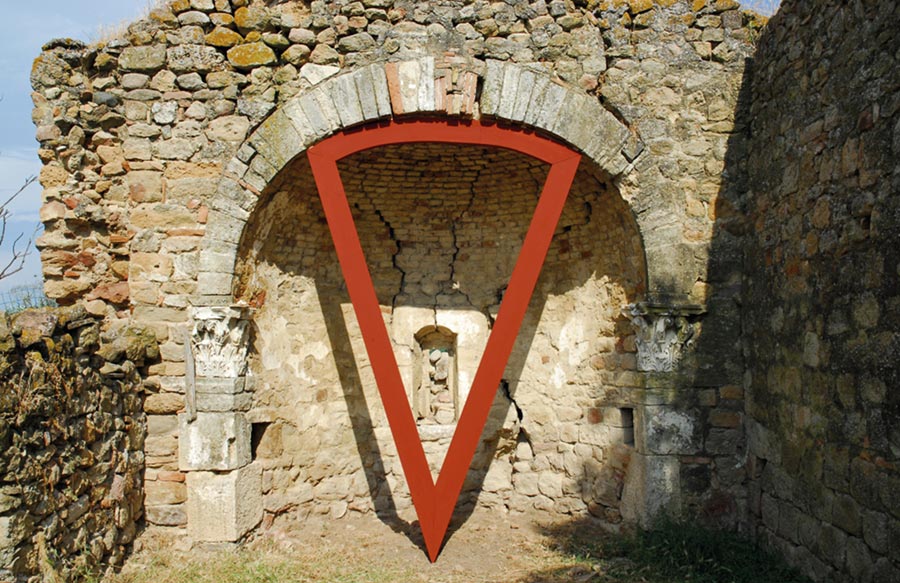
x,y
509,93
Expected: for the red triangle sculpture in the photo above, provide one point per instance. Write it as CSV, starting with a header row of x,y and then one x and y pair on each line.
x,y
434,502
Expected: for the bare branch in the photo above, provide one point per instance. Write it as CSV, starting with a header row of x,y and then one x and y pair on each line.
x,y
28,182
19,255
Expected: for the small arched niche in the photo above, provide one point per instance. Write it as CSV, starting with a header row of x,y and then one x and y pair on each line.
x,y
435,392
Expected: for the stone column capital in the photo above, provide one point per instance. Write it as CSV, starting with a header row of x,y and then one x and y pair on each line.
x,y
663,332
219,340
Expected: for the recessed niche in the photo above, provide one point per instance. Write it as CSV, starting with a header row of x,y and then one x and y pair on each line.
x,y
435,395
627,416
257,432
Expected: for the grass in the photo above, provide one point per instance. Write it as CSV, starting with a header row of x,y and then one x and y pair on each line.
x,y
256,566
576,552
679,552
105,33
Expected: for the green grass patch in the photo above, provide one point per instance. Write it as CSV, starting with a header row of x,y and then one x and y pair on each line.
x,y
680,552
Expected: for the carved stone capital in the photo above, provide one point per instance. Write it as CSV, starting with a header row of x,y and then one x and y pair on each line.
x,y
663,333
219,340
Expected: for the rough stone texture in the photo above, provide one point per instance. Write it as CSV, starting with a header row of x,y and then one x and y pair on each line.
x,y
72,432
213,441
822,280
441,227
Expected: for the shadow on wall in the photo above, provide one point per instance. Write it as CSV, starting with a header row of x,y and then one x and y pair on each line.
x,y
713,479
688,423
822,289
370,454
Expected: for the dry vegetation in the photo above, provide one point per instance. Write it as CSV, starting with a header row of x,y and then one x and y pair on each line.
x,y
485,549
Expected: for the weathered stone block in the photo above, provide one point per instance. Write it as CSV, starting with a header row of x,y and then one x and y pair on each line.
x,y
651,488
223,37
347,100
163,403
158,493
516,83
213,441
166,515
667,431
314,74
224,507
220,386
224,403
277,139
144,59
411,85
251,55
194,58
230,128
361,41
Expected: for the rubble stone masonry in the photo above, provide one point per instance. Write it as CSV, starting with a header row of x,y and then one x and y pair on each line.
x,y
173,186
72,430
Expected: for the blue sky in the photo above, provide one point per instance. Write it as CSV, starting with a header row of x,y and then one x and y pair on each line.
x,y
31,24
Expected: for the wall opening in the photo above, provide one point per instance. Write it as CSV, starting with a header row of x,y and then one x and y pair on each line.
x,y
627,416
257,434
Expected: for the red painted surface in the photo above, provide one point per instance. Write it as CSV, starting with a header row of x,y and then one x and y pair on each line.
x,y
434,502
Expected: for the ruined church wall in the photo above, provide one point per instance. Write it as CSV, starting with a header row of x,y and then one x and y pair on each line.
x,y
135,134
822,311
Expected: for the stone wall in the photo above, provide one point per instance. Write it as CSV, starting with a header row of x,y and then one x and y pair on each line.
x,y
175,183
822,310
72,434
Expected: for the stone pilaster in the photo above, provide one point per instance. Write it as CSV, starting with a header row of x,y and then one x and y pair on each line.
x,y
214,432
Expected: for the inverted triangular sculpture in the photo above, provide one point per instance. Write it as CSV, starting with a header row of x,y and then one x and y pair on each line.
x,y
434,502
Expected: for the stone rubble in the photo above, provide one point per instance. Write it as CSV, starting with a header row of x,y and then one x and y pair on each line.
x,y
72,429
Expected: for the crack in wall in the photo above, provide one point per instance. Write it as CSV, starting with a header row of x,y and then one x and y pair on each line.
x,y
504,386
398,248
454,224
